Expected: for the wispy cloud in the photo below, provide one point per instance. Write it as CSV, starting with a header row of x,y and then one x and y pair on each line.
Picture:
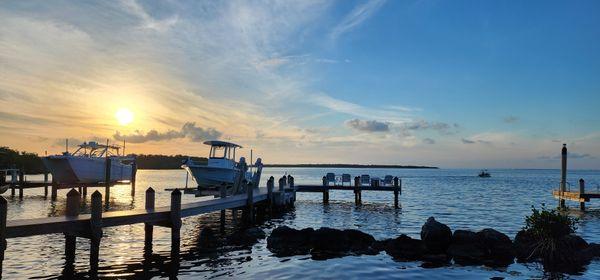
x,y
189,130
368,125
357,16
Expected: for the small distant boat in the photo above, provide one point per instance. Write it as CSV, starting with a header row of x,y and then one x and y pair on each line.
x,y
88,164
484,174
221,167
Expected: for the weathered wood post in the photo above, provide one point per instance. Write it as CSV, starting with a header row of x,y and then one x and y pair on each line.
x,y
13,181
46,185
107,180
281,192
133,173
84,193
250,202
95,231
3,212
175,220
21,183
54,194
223,193
325,191
148,227
356,187
270,187
73,202
563,176
581,193
292,187
396,191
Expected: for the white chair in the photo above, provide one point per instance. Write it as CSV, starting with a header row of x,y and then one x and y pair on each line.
x,y
330,178
346,178
365,180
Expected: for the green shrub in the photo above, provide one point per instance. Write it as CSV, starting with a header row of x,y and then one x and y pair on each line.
x,y
546,223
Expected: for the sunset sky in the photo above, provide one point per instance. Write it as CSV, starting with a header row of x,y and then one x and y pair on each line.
x,y
478,84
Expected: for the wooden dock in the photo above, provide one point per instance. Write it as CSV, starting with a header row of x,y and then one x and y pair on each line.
x,y
581,196
396,188
90,226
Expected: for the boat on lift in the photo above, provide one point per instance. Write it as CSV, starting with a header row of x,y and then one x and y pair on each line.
x,y
221,167
88,164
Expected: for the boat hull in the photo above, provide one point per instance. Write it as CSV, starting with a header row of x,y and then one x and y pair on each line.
x,y
207,176
69,169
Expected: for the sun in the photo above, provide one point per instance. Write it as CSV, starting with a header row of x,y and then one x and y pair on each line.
x,y
124,116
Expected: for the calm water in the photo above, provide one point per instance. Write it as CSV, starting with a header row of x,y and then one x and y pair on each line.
x,y
455,197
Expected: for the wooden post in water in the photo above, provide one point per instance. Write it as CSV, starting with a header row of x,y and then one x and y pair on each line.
x,y
581,192
223,192
281,192
133,173
73,202
95,231
148,227
3,212
325,191
250,202
270,187
84,193
54,194
356,187
292,187
46,185
107,180
21,183
13,180
175,220
563,177
396,191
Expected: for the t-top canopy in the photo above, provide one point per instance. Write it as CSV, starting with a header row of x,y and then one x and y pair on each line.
x,y
218,143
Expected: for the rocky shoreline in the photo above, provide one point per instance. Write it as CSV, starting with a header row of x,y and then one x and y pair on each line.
x,y
438,246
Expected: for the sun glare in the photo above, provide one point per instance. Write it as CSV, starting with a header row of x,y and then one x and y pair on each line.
x,y
124,116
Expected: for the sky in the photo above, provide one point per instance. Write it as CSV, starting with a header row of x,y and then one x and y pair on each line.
x,y
454,84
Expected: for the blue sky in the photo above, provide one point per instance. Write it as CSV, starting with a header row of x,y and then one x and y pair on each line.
x,y
447,83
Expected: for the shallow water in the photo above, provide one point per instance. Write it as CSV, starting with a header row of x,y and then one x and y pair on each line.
x,y
457,198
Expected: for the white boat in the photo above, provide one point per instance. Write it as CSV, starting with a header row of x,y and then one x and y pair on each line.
x,y
221,167
88,164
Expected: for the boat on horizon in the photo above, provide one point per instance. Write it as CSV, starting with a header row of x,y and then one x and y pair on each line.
x,y
88,164
221,167
484,174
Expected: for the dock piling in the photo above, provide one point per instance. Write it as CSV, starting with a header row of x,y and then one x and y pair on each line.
x,y
250,202
563,177
581,192
133,173
3,212
396,191
46,186
107,180
270,187
223,191
148,227
21,183
281,192
73,203
54,194
356,186
325,191
292,187
175,220
95,231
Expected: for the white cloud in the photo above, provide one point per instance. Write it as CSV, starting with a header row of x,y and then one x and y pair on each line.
x,y
357,16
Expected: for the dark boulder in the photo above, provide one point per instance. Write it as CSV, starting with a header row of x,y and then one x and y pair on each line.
x,y
286,241
466,248
405,248
524,245
568,254
246,237
436,236
360,242
498,247
592,251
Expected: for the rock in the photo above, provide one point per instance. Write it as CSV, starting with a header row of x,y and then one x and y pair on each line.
x,y
569,255
207,238
524,246
360,242
466,248
592,251
405,248
498,246
436,236
246,237
286,241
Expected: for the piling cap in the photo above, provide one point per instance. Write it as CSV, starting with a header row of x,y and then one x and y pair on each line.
x,y
73,192
97,194
150,189
564,149
176,192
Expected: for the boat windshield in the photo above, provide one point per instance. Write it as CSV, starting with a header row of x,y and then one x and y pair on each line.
x,y
222,152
